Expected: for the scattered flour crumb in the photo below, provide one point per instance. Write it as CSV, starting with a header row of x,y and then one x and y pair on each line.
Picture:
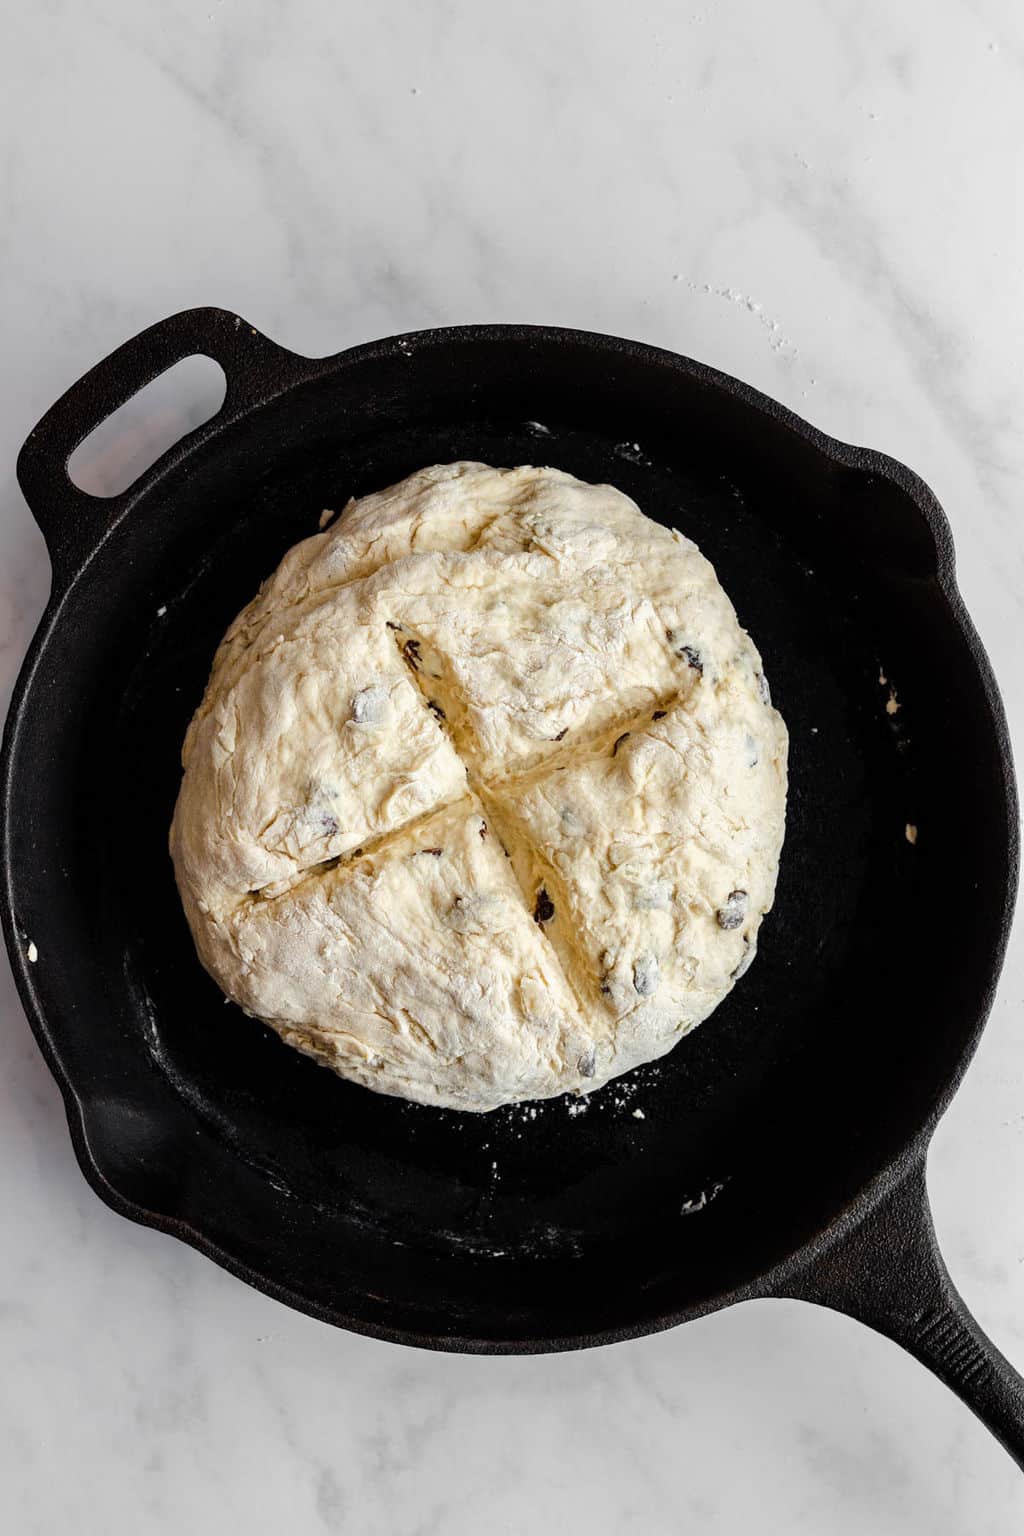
x,y
777,340
633,453
638,1114
892,703
910,832
32,953
161,611
578,1107
690,1207
882,679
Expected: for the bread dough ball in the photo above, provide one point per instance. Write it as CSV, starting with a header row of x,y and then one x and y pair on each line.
x,y
485,798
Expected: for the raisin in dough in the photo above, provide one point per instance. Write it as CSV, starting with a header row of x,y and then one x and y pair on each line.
x,y
485,798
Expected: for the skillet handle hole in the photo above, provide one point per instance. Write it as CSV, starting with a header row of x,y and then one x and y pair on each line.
x,y
133,437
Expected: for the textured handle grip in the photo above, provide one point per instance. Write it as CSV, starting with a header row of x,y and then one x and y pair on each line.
x,y
74,523
888,1272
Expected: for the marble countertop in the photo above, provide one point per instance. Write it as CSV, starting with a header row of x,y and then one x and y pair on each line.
x,y
823,198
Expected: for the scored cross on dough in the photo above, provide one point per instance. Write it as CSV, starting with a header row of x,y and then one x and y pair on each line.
x,y
485,797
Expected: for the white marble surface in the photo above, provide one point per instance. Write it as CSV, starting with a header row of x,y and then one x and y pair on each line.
x,y
824,198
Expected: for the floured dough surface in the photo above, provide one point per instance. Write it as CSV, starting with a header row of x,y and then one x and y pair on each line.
x,y
485,798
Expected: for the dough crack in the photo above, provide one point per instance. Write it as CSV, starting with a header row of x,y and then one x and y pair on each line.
x,y
545,897
244,646
583,748
369,848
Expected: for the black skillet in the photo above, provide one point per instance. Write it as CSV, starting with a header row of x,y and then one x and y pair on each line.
x,y
782,1147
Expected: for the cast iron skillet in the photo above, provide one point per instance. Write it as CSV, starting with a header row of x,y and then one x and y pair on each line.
x,y
782,1147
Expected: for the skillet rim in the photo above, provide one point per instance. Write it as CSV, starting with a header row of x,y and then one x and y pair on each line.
x,y
287,372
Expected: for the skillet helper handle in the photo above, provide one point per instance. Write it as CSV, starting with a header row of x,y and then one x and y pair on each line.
x,y
73,522
888,1272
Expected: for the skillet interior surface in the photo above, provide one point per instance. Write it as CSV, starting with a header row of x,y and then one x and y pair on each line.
x,y
569,1221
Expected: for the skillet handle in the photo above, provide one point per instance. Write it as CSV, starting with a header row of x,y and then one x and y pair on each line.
x,y
888,1272
75,523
